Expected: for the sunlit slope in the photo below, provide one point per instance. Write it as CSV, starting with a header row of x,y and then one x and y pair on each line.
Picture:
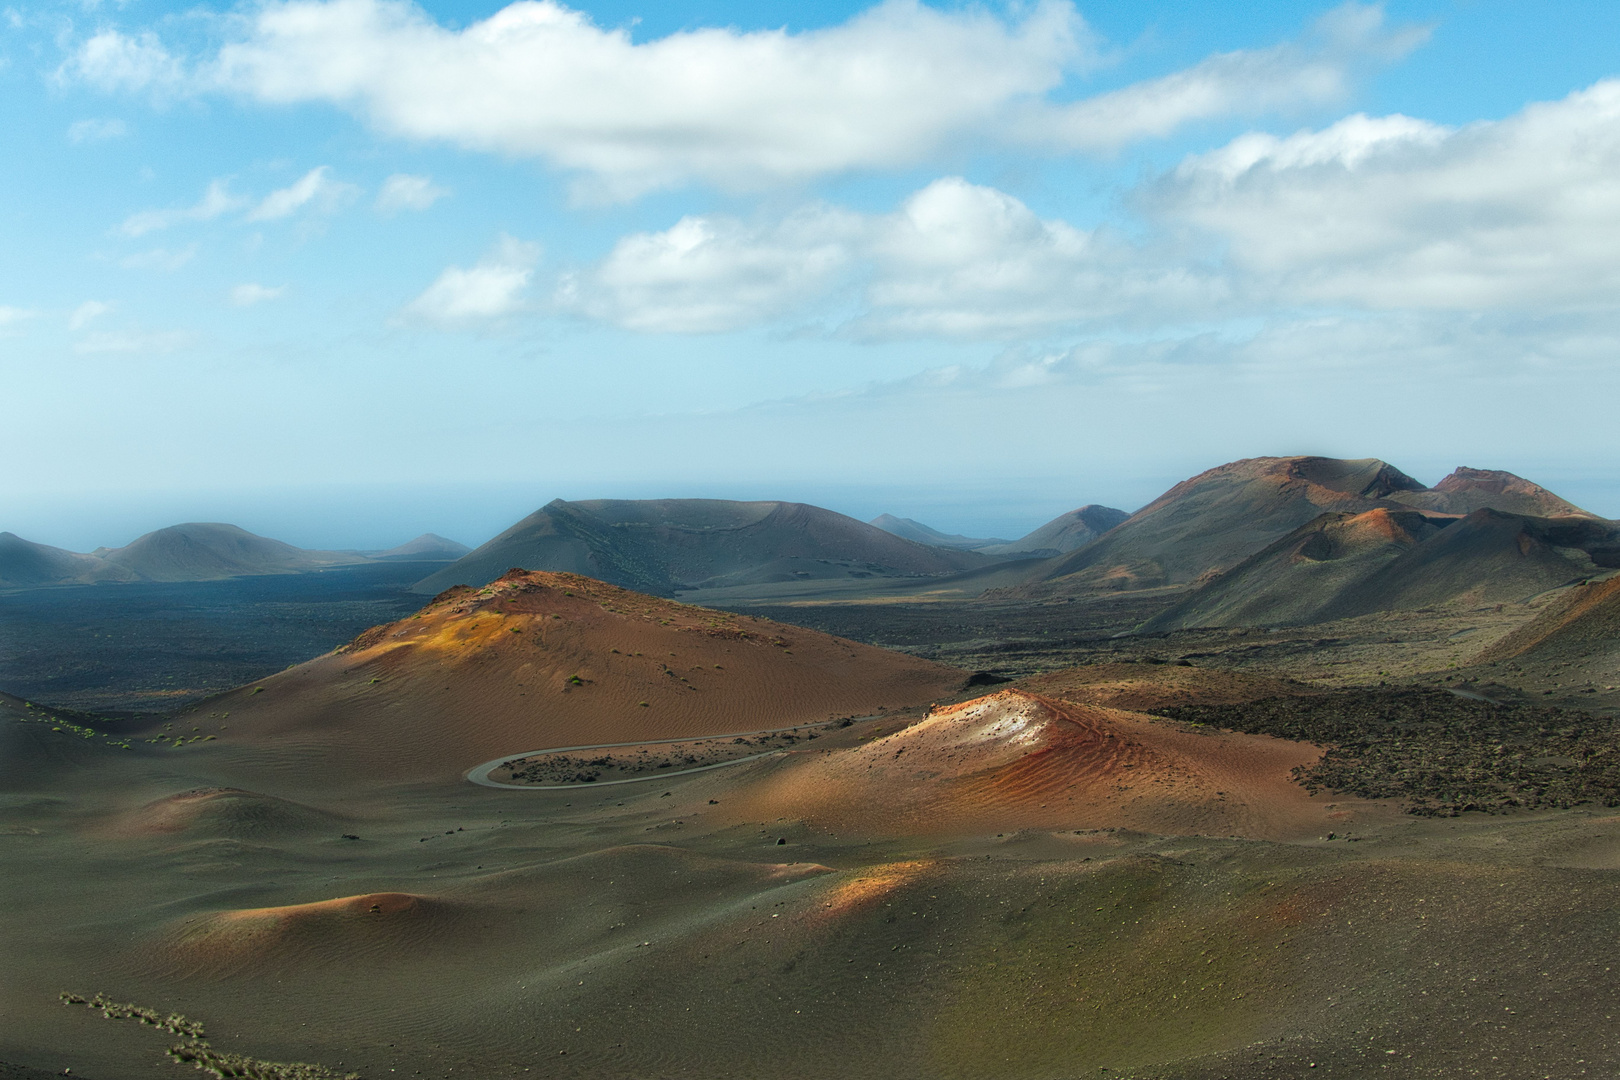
x,y
1467,490
1220,517
1018,760
1305,574
540,659
1214,521
1340,566
1574,645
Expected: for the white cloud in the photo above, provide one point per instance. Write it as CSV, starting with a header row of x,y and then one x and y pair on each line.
x,y
1244,83
403,191
248,294
1398,213
955,260
709,274
114,61
315,189
93,131
491,289
86,313
961,260
893,86
1521,214
159,259
216,200
737,109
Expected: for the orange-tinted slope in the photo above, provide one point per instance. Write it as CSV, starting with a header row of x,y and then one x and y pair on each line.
x,y
1585,622
1303,576
1215,520
1219,517
1018,760
1467,490
583,902
537,660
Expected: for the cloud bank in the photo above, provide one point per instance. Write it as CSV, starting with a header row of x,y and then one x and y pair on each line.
x,y
1367,214
895,86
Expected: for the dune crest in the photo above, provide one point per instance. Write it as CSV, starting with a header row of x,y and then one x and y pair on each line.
x,y
221,811
324,932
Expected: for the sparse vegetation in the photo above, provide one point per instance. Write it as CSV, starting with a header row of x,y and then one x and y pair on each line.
x,y
60,724
197,1052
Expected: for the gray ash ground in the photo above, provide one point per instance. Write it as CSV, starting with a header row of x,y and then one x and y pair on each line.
x,y
156,646
1016,639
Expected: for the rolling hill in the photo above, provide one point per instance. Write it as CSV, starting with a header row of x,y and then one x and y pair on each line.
x,y
910,529
1064,533
1467,490
209,551
662,545
25,564
1343,565
429,547
189,552
540,659
1016,760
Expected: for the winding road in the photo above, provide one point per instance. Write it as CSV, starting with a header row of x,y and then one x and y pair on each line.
x,y
479,774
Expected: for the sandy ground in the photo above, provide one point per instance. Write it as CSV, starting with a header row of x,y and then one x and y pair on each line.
x,y
673,931
1078,890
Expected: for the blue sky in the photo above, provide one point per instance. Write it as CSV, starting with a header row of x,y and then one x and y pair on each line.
x,y
342,271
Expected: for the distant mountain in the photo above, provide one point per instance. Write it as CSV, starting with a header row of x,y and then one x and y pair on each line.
x,y
208,551
1220,517
1300,577
1467,490
1215,520
24,564
1343,565
663,545
190,552
1065,533
910,529
429,547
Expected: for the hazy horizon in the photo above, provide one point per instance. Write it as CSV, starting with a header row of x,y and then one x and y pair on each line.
x,y
383,516
1059,253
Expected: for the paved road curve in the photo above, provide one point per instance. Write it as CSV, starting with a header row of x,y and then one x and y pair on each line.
x,y
479,774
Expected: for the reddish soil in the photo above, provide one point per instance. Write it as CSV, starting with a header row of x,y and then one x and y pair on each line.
x,y
537,660
1016,760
